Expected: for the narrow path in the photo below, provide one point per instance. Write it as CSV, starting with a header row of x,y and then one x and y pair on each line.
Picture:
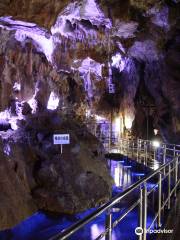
x,y
42,226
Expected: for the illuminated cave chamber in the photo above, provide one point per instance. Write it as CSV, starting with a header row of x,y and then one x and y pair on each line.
x,y
95,69
96,58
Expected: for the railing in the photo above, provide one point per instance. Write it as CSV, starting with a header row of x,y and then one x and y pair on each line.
x,y
144,151
168,172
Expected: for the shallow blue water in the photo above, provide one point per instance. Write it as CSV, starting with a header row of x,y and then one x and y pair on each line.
x,y
42,226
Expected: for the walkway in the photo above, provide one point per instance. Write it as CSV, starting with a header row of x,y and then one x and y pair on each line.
x,y
126,172
150,153
41,226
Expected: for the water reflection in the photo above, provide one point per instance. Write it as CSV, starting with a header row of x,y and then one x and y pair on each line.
x,y
41,226
121,173
96,230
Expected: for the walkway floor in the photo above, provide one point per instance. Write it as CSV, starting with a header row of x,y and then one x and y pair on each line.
x,y
41,226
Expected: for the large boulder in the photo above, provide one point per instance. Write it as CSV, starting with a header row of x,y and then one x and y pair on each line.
x,y
72,181
35,175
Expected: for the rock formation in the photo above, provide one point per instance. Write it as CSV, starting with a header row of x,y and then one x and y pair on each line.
x,y
35,175
64,56
138,38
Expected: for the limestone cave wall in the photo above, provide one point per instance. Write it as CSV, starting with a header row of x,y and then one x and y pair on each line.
x,y
57,61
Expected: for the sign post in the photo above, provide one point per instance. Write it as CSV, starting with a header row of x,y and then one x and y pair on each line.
x,y
61,139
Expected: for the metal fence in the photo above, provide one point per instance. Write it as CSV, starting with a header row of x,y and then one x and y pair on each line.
x,y
149,153
168,174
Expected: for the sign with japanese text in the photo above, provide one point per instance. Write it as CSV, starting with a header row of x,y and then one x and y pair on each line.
x,y
61,139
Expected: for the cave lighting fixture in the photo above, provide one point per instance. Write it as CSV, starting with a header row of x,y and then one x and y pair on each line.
x,y
117,125
99,118
156,144
128,122
155,132
53,101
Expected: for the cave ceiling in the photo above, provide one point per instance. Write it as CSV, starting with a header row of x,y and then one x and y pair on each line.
x,y
45,12
41,12
73,42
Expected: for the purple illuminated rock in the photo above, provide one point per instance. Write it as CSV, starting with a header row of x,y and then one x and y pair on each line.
x,y
4,125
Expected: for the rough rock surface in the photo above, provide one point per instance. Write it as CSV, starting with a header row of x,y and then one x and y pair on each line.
x,y
34,175
41,12
145,34
64,54
16,202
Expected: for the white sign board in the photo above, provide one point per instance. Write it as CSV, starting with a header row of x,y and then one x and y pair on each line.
x,y
61,139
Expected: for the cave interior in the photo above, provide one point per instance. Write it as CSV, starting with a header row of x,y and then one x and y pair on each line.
x,y
89,69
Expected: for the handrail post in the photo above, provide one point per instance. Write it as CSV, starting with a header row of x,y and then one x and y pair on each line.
x,y
176,175
174,151
109,142
138,141
109,225
147,153
174,155
140,145
132,148
144,151
159,199
141,211
144,210
164,158
155,153
169,186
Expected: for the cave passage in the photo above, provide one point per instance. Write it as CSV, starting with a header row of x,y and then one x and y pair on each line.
x,y
89,108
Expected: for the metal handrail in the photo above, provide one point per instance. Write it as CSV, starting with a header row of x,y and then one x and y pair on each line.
x,y
143,151
142,201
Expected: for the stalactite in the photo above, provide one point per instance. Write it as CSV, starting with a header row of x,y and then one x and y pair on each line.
x,y
29,65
